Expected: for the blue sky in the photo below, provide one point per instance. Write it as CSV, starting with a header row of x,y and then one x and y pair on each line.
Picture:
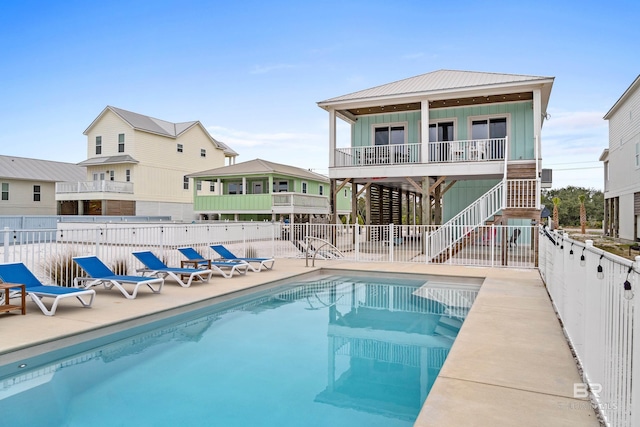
x,y
253,71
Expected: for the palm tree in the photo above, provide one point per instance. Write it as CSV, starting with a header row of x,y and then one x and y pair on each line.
x,y
556,202
583,214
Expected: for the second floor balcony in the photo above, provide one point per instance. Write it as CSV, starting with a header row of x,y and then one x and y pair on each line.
x,y
478,150
98,186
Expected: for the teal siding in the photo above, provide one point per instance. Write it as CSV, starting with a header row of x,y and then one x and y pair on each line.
x,y
462,194
521,142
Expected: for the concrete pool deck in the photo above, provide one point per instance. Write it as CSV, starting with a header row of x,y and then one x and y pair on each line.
x,y
510,364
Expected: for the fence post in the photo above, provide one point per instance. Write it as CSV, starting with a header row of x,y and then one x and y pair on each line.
x,y
5,245
356,231
635,362
391,242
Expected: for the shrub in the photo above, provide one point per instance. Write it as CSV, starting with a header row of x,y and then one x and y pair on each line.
x,y
120,267
251,252
63,269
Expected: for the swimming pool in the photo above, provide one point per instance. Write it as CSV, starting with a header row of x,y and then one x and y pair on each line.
x,y
330,350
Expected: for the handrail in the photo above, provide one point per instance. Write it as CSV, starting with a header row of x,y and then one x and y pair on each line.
x,y
315,251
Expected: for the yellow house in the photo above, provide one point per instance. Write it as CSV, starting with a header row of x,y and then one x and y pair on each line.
x,y
138,165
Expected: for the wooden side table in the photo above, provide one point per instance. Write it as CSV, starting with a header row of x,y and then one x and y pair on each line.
x,y
195,263
6,307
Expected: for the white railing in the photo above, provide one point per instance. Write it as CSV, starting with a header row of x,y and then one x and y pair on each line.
x,y
41,250
300,200
465,222
378,155
103,186
599,313
474,150
522,193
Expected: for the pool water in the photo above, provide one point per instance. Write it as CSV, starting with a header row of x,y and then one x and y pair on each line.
x,y
334,351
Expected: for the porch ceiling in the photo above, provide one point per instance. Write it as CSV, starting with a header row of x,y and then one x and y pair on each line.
x,y
442,103
405,185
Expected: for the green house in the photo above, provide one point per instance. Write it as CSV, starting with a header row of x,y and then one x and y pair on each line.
x,y
260,190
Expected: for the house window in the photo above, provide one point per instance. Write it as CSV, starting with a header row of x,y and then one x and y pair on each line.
x,y
121,143
385,135
345,193
199,185
212,187
235,188
203,152
320,190
489,128
180,148
304,188
5,191
127,175
637,154
280,186
36,193
439,132
98,145
185,182
111,175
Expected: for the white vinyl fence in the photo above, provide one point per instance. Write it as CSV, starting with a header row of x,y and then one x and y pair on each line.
x,y
597,298
47,251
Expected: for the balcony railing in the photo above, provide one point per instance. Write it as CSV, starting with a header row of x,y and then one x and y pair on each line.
x,y
476,150
103,186
300,200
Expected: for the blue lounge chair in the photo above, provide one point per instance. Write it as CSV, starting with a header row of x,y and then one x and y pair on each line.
x,y
255,264
155,267
100,274
219,266
19,273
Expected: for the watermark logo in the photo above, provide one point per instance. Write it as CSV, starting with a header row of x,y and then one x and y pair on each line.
x,y
581,390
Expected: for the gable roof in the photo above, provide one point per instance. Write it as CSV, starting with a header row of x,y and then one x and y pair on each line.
x,y
260,167
439,81
40,170
627,93
159,127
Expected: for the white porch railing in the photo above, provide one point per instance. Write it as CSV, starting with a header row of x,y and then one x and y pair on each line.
x,y
522,193
378,155
474,150
478,150
103,186
599,313
300,200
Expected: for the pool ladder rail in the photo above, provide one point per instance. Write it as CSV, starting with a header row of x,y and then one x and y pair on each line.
x,y
311,250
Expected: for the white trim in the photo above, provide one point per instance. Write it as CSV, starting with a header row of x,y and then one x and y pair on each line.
x,y
405,125
487,117
445,120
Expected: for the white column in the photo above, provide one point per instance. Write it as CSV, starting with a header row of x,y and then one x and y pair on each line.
x,y
218,187
537,130
244,185
332,137
424,130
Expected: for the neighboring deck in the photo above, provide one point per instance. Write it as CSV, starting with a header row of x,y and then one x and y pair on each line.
x,y
510,363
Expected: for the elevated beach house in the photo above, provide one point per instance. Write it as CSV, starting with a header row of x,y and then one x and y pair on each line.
x,y
460,147
621,161
138,165
260,190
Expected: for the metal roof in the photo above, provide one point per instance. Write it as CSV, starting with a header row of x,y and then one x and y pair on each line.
x,y
437,81
260,167
160,127
108,160
40,170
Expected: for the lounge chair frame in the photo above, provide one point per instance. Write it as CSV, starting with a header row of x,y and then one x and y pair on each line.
x,y
255,264
99,274
153,266
19,273
241,267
